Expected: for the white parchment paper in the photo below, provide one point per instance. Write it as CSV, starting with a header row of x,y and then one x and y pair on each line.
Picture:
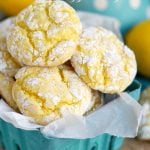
x,y
120,117
96,20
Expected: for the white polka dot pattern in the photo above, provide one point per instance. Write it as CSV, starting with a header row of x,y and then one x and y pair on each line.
x,y
135,4
101,4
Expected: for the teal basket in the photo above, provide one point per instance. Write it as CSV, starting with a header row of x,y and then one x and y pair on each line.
x,y
12,138
144,81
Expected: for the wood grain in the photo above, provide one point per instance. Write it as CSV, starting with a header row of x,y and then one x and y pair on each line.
x,y
134,144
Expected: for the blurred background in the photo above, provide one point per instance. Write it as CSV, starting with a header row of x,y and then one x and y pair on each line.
x,y
133,18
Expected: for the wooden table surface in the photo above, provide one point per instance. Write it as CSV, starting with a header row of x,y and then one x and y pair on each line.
x,y
134,144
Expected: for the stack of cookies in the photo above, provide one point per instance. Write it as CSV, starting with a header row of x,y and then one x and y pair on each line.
x,y
50,66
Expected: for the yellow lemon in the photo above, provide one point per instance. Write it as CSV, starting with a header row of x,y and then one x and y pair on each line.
x,y
138,39
13,7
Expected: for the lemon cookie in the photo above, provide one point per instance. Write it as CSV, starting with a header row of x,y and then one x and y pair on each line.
x,y
103,61
45,34
47,94
6,84
144,130
8,65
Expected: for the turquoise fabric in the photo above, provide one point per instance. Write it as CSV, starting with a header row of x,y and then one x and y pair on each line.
x,y
12,138
128,12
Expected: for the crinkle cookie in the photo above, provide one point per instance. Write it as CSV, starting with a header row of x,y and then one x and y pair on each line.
x,y
103,61
8,65
45,34
144,130
6,84
47,94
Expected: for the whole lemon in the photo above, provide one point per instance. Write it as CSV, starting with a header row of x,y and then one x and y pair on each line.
x,y
138,39
13,7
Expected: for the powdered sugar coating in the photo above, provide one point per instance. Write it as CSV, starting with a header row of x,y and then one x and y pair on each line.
x,y
8,65
6,84
33,81
104,62
41,29
46,94
144,129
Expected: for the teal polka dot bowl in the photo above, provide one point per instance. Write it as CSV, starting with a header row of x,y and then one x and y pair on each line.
x,y
128,12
